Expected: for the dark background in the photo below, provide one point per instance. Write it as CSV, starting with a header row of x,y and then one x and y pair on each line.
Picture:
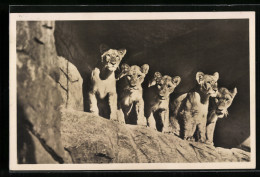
x,y
173,47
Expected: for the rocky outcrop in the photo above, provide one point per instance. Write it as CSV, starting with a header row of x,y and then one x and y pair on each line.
x,y
44,82
70,83
93,139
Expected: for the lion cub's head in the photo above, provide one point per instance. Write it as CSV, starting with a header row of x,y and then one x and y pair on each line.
x,y
165,85
223,101
111,58
208,83
134,75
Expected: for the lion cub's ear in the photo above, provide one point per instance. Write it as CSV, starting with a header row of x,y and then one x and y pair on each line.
x,y
200,77
122,52
234,92
157,77
145,68
176,80
124,69
216,76
103,48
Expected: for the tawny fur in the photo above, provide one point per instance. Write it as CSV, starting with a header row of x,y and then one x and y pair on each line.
x,y
130,91
218,109
190,109
103,82
157,97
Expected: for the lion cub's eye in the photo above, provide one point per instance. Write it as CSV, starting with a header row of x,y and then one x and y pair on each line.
x,y
117,57
208,82
108,56
169,86
227,99
139,75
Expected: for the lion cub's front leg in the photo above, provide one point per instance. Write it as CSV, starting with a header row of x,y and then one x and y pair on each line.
x,y
210,132
112,101
93,103
189,128
211,124
151,121
141,120
166,122
202,131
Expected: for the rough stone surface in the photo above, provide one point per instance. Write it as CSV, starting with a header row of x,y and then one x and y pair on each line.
x,y
92,139
70,82
39,93
41,155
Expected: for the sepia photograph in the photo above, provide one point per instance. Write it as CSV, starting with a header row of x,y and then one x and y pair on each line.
x,y
132,91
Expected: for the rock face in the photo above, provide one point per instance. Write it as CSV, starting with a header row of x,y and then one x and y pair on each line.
x,y
70,83
92,139
44,82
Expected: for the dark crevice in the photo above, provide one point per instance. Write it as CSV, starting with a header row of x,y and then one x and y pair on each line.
x,y
67,76
38,41
66,149
182,155
197,154
24,126
198,151
63,87
48,27
104,156
212,155
245,148
54,155
74,81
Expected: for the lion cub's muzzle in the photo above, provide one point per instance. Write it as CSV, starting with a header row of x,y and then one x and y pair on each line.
x,y
162,96
112,66
214,92
220,112
133,87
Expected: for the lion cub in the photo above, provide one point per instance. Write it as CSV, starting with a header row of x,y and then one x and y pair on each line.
x,y
218,109
103,81
130,91
190,109
157,98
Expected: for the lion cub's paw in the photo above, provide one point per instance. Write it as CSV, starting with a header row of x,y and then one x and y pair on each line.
x,y
95,113
167,131
114,117
202,140
209,143
190,138
142,122
121,121
118,121
153,128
